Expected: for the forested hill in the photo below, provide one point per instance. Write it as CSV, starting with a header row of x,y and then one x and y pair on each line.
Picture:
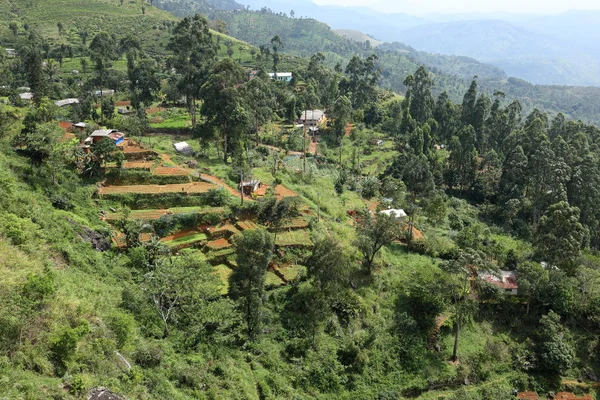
x,y
305,37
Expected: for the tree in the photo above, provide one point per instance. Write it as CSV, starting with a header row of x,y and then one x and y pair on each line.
x,y
194,52
143,80
359,84
372,233
421,100
32,62
254,250
459,289
532,277
462,163
468,105
14,28
223,106
102,50
329,266
276,44
560,236
341,114
180,289
554,345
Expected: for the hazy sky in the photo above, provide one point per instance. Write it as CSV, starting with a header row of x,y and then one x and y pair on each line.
x,y
445,6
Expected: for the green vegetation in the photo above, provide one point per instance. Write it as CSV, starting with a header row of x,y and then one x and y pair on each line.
x,y
491,281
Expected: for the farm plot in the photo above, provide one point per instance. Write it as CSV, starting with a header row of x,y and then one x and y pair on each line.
x,y
288,272
218,244
297,238
195,187
246,225
296,223
223,231
185,238
281,192
170,171
272,280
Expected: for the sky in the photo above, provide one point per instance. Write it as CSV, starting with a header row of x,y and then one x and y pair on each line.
x,y
469,6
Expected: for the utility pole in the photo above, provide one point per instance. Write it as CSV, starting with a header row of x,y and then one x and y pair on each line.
x,y
242,187
304,140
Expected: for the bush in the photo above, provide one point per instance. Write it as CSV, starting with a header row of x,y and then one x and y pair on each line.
x,y
148,355
217,198
122,325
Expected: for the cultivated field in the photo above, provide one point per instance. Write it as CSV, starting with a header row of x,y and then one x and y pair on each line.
x,y
195,187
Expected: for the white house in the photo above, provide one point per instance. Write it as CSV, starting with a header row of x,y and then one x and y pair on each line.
x,y
281,76
183,148
397,213
66,102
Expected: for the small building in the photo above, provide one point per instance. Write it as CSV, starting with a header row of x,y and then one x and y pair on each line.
x,y
396,213
100,134
377,142
312,117
11,53
249,187
104,92
125,110
80,126
504,280
281,76
183,148
27,96
66,102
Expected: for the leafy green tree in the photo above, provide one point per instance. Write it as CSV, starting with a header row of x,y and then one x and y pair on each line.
x,y
554,345
560,236
548,176
468,105
359,84
194,52
421,101
459,290
143,80
480,116
329,266
532,277
276,45
223,106
254,250
462,163
32,64
341,114
102,50
372,233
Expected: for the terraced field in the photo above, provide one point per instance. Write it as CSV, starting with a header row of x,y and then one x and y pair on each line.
x,y
194,187
298,238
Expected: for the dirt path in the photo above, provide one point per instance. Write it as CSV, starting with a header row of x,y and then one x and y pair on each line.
x,y
313,147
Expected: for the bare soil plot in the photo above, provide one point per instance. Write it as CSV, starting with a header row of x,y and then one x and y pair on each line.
x,y
281,191
187,188
170,171
219,244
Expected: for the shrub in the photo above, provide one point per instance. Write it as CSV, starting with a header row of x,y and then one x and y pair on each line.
x,y
123,327
148,355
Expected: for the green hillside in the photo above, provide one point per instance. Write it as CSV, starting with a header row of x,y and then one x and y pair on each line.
x,y
357,36
403,247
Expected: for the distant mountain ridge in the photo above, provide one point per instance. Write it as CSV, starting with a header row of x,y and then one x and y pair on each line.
x,y
559,49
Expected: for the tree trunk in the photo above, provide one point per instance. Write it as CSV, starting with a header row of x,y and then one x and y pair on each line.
x,y
456,333
225,147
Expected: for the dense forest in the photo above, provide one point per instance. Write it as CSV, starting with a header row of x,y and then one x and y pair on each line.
x,y
362,258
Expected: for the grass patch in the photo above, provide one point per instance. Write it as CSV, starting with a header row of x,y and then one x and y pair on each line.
x,y
223,272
